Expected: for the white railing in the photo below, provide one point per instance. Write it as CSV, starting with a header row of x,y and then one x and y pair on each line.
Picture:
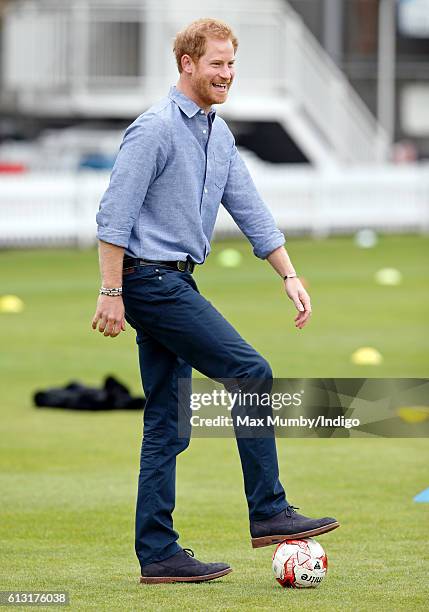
x,y
43,209
327,97
103,57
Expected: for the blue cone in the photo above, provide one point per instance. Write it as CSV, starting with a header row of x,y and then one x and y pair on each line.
x,y
423,496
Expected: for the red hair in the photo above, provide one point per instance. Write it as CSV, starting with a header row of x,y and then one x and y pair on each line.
x,y
192,40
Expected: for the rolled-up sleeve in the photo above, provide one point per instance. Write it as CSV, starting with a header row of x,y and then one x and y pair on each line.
x,y
142,156
244,204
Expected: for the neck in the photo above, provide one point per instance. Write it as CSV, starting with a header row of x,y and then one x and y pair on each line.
x,y
184,87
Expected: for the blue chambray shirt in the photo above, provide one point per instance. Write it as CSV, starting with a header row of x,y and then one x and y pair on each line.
x,y
175,166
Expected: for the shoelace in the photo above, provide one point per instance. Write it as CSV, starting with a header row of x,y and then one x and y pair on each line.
x,y
189,552
290,510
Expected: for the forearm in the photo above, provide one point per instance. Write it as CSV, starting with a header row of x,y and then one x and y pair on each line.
x,y
243,202
111,259
280,261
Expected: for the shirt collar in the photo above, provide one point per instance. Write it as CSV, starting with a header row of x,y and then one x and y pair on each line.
x,y
188,106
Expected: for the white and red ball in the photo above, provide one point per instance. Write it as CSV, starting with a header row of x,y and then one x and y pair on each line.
x,y
300,564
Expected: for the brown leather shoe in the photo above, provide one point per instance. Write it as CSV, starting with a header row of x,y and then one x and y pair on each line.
x,y
288,525
182,567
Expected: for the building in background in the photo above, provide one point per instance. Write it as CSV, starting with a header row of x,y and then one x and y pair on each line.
x,y
82,60
105,60
87,59
349,30
338,87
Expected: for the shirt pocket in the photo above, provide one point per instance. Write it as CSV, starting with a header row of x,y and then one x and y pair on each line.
x,y
221,165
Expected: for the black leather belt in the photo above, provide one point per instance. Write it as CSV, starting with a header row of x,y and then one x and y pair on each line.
x,y
182,266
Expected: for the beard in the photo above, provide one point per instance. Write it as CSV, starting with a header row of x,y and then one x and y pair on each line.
x,y
206,93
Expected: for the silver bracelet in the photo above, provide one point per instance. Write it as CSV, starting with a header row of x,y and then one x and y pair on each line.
x,y
112,292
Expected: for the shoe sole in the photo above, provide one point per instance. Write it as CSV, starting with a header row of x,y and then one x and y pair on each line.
x,y
165,579
276,539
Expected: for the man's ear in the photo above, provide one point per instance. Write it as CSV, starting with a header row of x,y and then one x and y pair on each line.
x,y
187,63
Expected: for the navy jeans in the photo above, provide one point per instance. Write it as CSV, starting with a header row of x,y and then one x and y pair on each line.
x,y
177,330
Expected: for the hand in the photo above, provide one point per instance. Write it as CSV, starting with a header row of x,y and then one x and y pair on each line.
x,y
109,315
301,299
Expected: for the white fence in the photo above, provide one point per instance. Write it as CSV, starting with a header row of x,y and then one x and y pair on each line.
x,y
59,209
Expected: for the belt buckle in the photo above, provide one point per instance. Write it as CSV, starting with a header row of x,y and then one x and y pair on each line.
x,y
182,266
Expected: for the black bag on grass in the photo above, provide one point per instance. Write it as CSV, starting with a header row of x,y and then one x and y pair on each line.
x,y
112,396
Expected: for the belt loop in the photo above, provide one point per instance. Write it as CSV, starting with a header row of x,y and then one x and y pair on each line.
x,y
189,265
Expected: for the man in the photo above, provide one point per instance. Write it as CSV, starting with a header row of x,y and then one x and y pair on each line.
x,y
177,162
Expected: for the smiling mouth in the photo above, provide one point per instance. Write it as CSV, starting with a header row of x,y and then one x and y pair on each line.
x,y
220,86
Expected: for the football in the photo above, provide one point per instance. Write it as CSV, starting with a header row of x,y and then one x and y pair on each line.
x,y
300,564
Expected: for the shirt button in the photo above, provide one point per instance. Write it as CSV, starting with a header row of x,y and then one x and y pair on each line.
x,y
201,112
206,190
204,131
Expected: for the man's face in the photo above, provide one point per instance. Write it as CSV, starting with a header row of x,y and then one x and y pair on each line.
x,y
212,75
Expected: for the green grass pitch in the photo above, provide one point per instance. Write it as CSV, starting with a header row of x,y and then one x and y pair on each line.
x,y
68,480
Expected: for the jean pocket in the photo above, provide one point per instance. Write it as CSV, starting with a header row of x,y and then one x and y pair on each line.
x,y
140,273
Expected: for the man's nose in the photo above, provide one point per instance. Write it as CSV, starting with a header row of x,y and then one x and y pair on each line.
x,y
225,73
